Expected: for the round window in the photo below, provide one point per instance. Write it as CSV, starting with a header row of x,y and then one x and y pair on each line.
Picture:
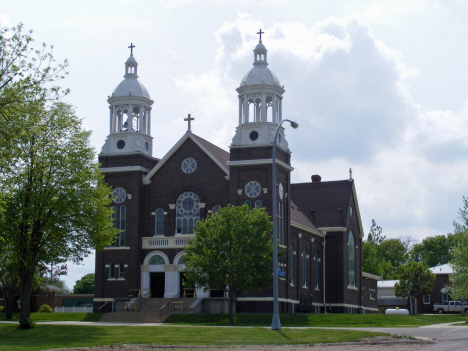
x,y
119,195
253,135
189,165
253,189
120,144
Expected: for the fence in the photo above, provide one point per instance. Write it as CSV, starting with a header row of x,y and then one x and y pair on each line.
x,y
73,309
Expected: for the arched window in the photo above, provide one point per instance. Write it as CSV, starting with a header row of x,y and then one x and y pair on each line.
x,y
351,260
159,222
215,209
182,260
114,221
317,270
258,203
280,216
123,225
111,270
188,212
304,268
248,203
291,264
121,270
157,260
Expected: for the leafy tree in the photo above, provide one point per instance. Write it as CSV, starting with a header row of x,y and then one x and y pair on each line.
x,y
393,251
415,280
9,280
57,201
459,278
85,285
434,250
231,250
369,258
375,234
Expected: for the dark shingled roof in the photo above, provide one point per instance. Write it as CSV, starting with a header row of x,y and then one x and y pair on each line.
x,y
297,216
221,155
321,201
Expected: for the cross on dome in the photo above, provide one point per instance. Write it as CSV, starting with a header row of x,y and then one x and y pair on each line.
x,y
132,46
260,34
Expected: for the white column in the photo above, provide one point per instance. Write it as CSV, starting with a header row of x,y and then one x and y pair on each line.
x,y
119,122
274,110
110,120
240,110
130,118
280,110
171,284
148,131
246,109
257,112
144,118
145,280
264,109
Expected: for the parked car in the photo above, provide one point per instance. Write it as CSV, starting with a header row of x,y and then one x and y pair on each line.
x,y
452,306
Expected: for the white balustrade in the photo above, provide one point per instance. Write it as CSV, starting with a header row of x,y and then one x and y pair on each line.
x,y
172,242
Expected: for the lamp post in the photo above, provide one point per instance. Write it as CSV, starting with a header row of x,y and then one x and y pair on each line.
x,y
276,324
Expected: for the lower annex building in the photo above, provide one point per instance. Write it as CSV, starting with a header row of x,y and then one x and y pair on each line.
x,y
158,201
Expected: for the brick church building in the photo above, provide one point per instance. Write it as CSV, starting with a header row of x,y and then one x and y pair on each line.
x,y
158,201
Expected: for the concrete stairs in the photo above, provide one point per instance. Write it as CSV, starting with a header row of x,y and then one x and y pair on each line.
x,y
149,312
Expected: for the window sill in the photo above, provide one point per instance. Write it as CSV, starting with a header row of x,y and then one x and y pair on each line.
x,y
117,248
282,246
304,287
317,289
290,284
372,298
352,287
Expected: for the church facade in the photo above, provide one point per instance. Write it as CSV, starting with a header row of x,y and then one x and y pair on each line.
x,y
157,202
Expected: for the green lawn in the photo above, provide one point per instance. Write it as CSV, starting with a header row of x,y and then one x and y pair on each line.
x,y
317,320
45,337
76,317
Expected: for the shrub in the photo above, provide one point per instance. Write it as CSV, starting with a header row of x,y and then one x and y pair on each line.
x,y
45,308
1,308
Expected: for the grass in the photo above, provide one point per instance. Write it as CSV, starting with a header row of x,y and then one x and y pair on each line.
x,y
75,317
317,320
58,336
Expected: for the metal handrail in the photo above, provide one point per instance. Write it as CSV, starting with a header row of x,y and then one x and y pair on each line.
x,y
167,304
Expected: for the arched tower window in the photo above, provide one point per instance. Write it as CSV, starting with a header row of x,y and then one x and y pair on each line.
x,y
248,203
159,221
291,264
121,270
317,270
351,260
114,221
123,225
188,212
280,219
304,268
157,260
258,203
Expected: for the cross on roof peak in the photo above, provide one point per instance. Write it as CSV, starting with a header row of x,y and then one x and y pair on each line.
x,y
131,48
189,119
260,34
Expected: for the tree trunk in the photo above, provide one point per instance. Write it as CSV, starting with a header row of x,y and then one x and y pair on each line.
x,y
232,301
25,295
412,307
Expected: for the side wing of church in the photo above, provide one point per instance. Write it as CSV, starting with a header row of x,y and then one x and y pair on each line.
x,y
158,201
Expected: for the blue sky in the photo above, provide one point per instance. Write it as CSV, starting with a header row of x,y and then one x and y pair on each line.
x,y
378,86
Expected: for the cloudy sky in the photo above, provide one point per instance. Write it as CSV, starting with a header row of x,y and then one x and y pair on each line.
x,y
378,86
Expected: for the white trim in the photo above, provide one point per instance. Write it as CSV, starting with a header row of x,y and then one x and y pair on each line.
x,y
267,161
333,229
103,299
266,299
352,287
117,248
306,229
187,135
371,276
358,213
124,169
153,253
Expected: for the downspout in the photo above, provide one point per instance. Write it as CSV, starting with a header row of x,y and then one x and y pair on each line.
x,y
323,274
360,280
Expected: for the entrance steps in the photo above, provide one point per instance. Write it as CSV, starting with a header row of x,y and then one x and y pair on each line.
x,y
149,311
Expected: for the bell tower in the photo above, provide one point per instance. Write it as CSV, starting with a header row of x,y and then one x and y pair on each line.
x,y
129,115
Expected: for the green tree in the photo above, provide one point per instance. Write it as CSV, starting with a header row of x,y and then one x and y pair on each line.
x,y
369,258
85,285
57,202
231,250
393,251
415,280
434,250
459,278
375,234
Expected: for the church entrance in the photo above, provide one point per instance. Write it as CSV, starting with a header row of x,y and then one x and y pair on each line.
x,y
157,284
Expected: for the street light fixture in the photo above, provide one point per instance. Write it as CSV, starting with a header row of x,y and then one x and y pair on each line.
x,y
276,324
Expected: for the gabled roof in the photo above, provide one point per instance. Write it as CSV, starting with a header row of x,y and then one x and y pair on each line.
x,y
300,221
218,155
442,269
321,202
